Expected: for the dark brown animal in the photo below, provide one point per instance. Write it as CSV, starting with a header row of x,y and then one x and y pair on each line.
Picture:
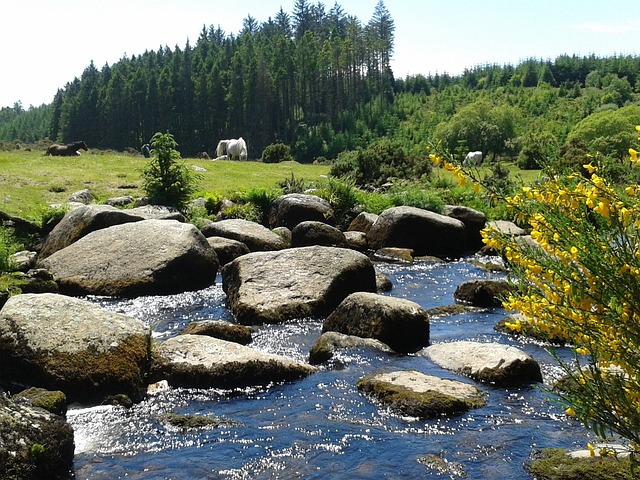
x,y
68,150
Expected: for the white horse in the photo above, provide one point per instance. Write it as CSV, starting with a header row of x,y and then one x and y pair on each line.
x,y
473,159
232,148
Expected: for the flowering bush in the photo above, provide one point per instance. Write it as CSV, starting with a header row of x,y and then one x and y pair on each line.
x,y
581,282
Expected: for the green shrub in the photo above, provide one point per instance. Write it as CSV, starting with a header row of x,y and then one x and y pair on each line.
x,y
244,211
8,246
261,199
341,195
212,202
50,217
537,147
373,202
292,185
165,179
419,198
276,153
380,163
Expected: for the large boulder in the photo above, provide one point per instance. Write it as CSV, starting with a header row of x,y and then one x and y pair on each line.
x,y
88,218
200,361
271,287
291,209
485,293
63,343
256,237
474,221
141,258
493,363
312,232
427,233
34,443
419,395
397,322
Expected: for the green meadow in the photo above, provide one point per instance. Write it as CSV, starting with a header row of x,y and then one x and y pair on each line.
x,y
30,181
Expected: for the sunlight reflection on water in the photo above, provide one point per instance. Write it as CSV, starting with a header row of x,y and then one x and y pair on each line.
x,y
321,426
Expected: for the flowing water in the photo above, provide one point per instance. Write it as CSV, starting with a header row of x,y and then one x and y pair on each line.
x,y
321,427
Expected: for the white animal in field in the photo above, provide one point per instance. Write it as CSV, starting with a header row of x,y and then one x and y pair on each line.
x,y
473,159
232,148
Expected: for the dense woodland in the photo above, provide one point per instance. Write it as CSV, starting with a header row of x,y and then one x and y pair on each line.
x,y
319,81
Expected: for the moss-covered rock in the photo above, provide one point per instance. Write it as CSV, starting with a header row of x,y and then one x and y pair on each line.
x,y
190,421
68,344
393,255
441,466
52,401
556,464
419,395
34,444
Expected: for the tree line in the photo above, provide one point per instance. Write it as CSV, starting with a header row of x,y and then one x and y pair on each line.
x,y
280,81
320,82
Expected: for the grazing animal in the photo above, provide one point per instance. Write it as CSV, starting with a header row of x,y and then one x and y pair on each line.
x,y
204,156
473,159
145,150
232,148
68,150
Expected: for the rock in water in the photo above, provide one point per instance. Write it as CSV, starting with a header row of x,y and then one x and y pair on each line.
x,y
142,258
271,287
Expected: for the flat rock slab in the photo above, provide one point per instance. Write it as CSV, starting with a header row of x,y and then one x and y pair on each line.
x,y
68,344
256,237
416,394
272,287
141,258
491,363
200,361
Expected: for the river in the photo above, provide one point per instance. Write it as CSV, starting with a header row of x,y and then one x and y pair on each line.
x,y
321,427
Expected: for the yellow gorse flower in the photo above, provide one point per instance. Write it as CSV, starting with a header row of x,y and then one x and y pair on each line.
x,y
580,283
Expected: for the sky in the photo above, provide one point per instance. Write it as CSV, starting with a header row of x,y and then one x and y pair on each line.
x,y
44,44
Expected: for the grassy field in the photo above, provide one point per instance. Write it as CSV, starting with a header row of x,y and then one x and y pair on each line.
x,y
30,181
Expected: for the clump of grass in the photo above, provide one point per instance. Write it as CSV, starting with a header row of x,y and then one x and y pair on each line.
x,y
9,245
419,198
